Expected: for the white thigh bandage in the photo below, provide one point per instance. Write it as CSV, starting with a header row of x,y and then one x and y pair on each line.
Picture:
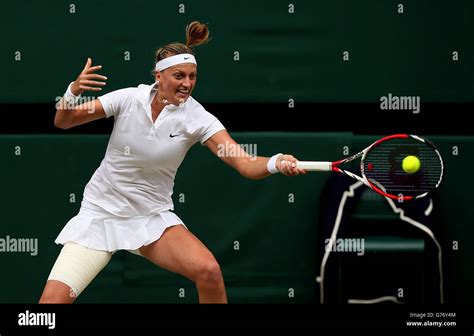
x,y
77,266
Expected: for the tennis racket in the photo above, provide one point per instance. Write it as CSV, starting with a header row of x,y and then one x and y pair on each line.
x,y
381,167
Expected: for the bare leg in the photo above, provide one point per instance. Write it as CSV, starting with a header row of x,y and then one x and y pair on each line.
x,y
57,292
179,251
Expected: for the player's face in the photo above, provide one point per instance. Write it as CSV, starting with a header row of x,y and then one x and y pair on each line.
x,y
177,82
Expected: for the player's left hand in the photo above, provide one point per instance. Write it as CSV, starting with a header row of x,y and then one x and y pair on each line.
x,y
286,164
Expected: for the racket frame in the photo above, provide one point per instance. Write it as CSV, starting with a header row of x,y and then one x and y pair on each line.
x,y
334,166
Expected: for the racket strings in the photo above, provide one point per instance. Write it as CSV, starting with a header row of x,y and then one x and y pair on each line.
x,y
382,165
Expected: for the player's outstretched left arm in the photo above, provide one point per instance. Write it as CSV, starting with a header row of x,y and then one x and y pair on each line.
x,y
248,165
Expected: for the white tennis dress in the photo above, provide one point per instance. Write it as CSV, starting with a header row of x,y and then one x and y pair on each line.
x,y
127,203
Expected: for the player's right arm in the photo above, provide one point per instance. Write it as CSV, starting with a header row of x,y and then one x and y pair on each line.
x,y
67,115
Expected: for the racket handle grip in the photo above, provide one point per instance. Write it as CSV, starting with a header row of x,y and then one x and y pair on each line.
x,y
315,165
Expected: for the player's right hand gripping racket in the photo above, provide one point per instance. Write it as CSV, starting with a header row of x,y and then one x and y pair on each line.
x,y
381,167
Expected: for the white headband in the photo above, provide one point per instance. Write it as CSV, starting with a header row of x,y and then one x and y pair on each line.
x,y
173,60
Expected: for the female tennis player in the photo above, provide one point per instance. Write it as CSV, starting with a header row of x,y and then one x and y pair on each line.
x,y
127,203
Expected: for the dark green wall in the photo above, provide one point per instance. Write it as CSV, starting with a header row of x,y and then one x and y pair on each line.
x,y
282,55
277,238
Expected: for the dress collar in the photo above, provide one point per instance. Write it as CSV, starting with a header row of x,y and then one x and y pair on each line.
x,y
146,93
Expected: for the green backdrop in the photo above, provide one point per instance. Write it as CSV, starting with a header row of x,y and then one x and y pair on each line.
x,y
260,51
264,233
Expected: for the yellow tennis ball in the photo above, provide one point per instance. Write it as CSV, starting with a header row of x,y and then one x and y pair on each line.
x,y
411,164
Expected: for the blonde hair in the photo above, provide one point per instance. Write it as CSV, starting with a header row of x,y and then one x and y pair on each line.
x,y
197,33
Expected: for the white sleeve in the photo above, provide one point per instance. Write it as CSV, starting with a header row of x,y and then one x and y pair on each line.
x,y
208,126
115,101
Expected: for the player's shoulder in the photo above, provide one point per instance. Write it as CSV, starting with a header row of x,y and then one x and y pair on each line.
x,y
128,91
193,104
142,92
195,108
143,87
120,95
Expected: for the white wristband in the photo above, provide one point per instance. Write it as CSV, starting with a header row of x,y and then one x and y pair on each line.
x,y
271,165
70,97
